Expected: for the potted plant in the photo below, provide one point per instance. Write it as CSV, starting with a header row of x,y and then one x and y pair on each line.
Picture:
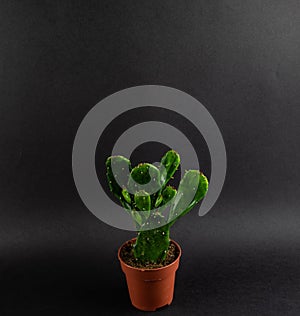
x,y
150,259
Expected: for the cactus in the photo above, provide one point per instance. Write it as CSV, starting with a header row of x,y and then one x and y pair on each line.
x,y
154,205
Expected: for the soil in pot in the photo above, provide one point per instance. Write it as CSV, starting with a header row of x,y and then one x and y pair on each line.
x,y
126,253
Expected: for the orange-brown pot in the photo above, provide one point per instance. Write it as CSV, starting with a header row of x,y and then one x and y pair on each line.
x,y
150,289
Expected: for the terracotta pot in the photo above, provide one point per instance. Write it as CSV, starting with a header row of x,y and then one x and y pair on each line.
x,y
150,289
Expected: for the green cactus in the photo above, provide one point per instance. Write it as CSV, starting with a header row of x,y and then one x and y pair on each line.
x,y
153,204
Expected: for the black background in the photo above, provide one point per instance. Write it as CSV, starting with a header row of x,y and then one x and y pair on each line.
x,y
241,59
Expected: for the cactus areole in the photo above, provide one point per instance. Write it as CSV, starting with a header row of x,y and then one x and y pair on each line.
x,y
155,206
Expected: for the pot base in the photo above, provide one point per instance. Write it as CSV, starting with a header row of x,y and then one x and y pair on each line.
x,y
151,309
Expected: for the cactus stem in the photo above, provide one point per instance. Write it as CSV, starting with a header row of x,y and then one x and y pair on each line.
x,y
152,244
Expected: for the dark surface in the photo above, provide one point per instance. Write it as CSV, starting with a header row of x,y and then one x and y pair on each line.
x,y
241,60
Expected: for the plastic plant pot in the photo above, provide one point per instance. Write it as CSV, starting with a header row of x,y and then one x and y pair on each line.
x,y
150,288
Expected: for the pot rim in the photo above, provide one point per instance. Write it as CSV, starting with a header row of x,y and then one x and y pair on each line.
x,y
150,269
